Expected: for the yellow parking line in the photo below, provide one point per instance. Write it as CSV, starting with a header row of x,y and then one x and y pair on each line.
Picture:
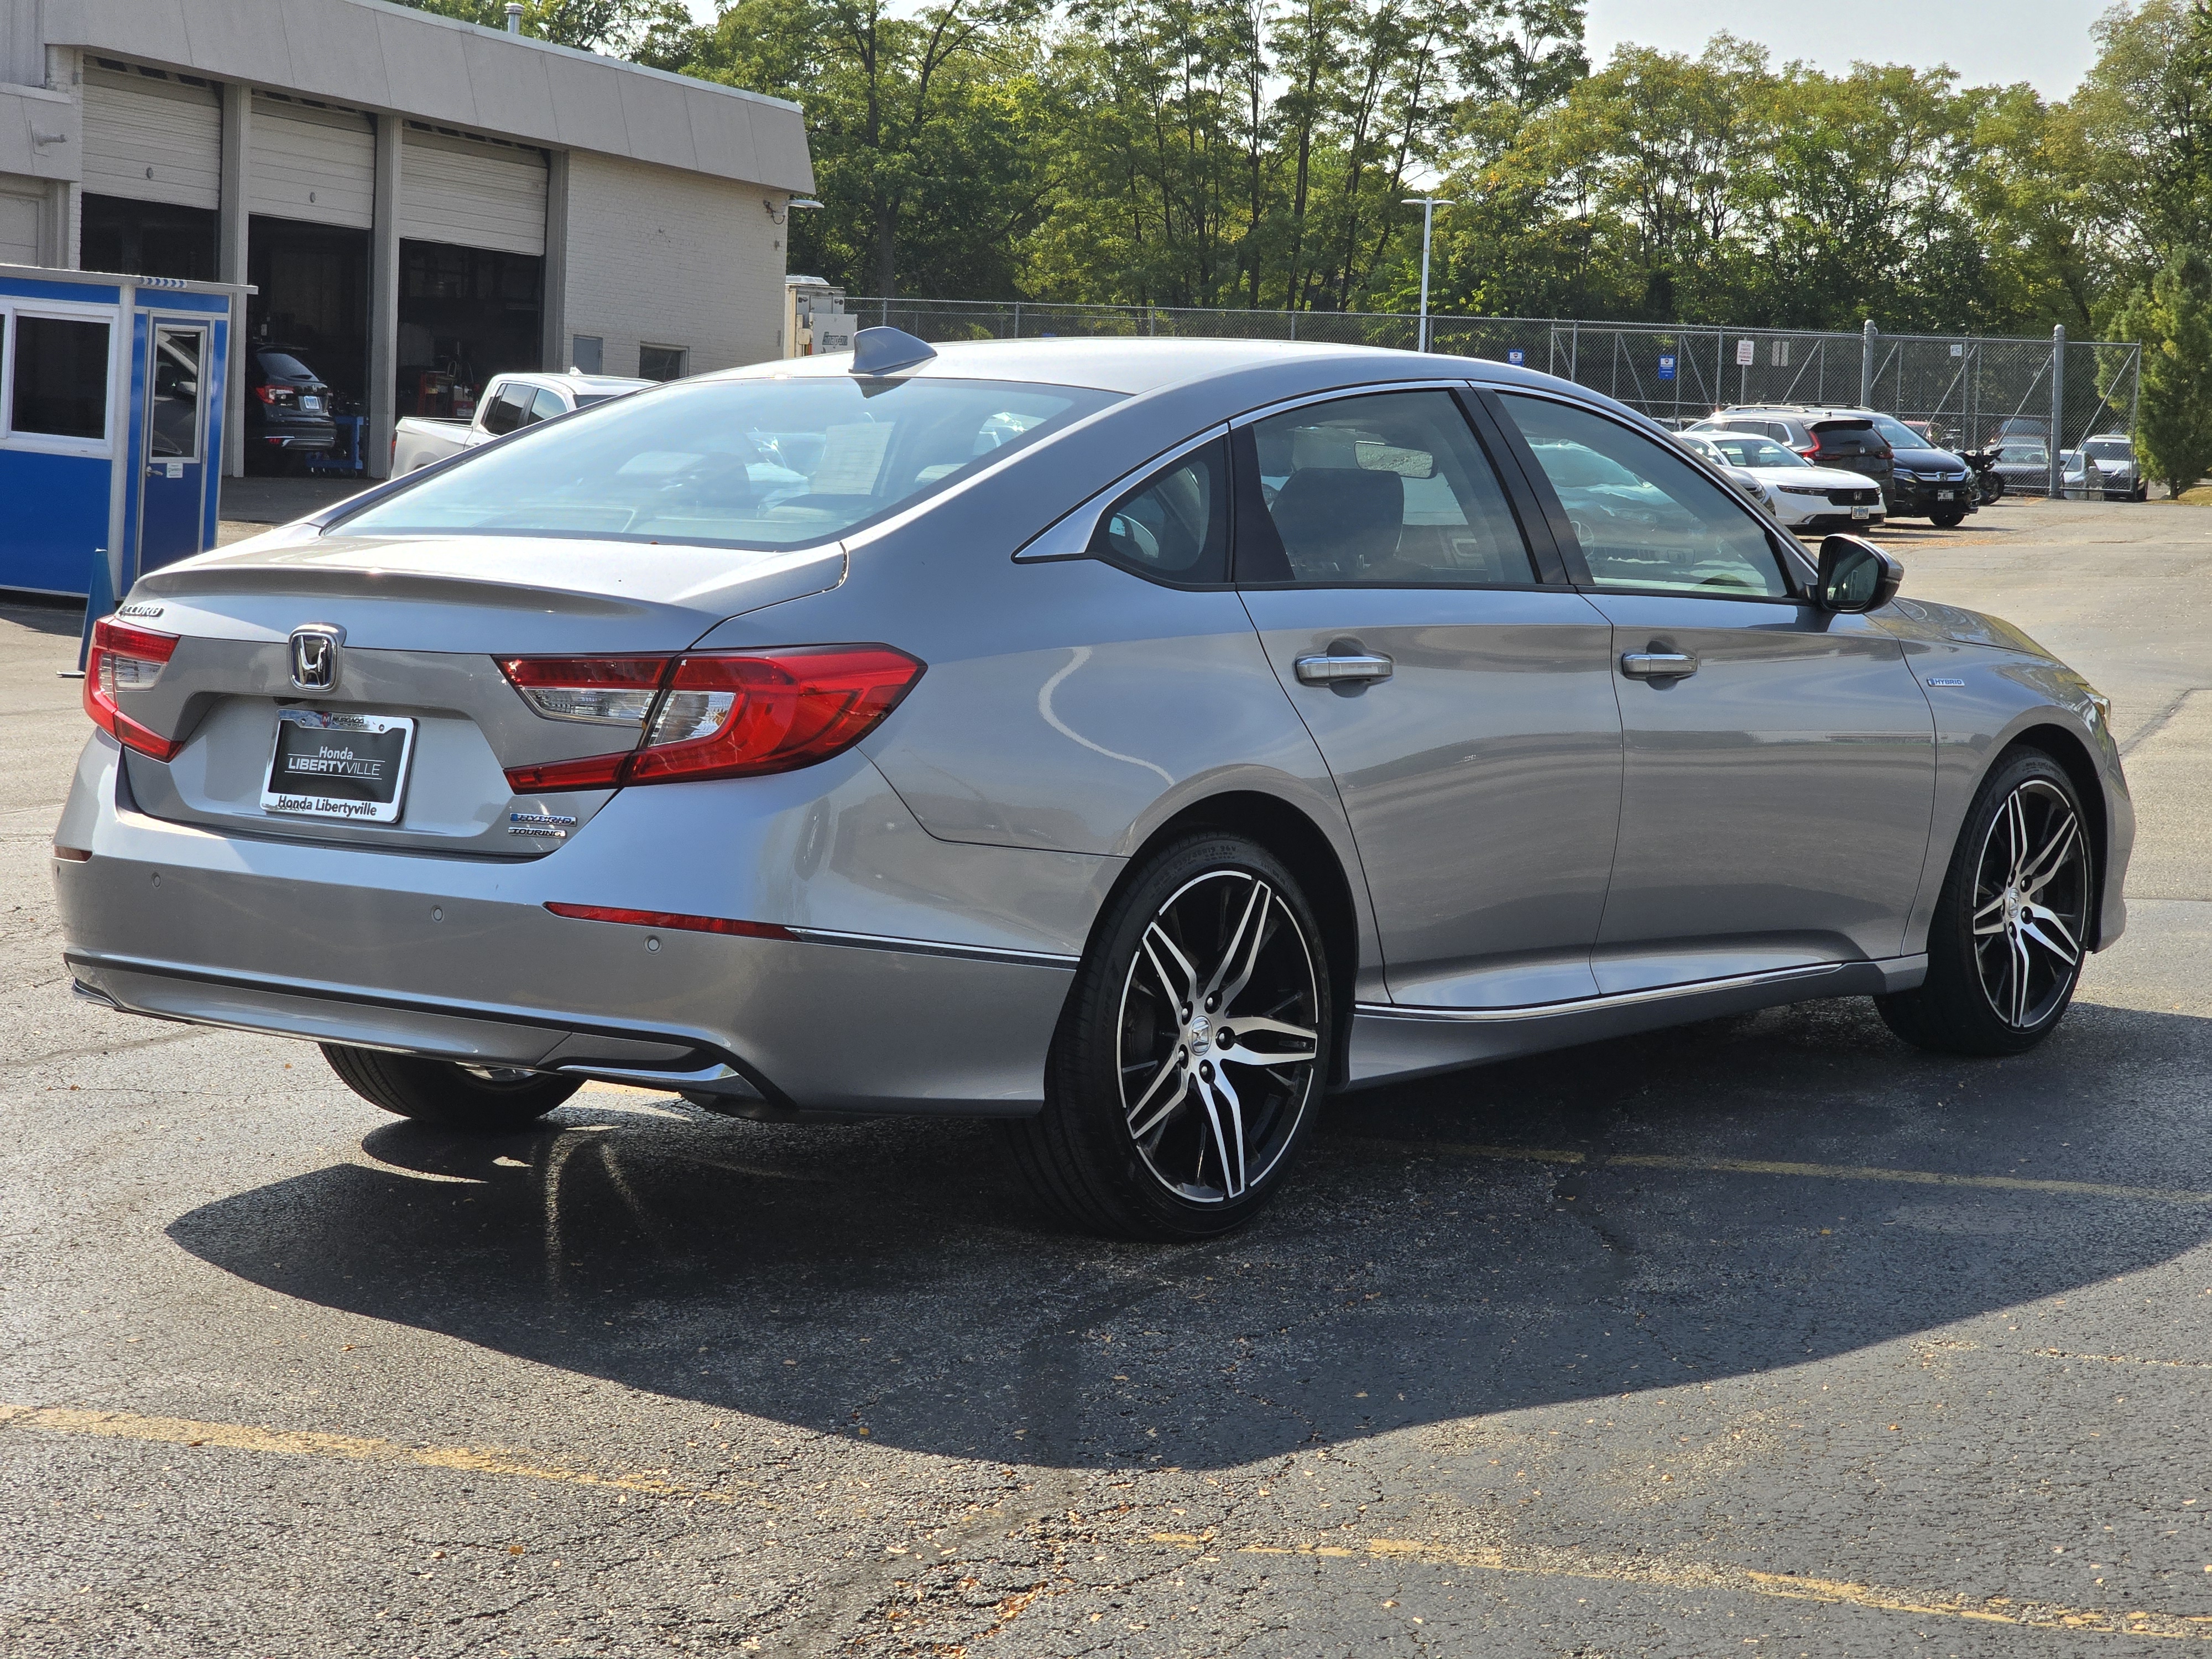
x,y
1704,1576
238,1436
1767,1167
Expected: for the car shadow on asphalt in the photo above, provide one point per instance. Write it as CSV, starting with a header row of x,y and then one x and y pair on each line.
x,y
892,1279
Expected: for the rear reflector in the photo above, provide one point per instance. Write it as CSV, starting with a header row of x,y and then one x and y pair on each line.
x,y
672,920
713,713
124,660
73,854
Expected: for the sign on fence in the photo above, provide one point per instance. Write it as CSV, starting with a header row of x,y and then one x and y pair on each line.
x,y
1746,353
1666,366
1516,356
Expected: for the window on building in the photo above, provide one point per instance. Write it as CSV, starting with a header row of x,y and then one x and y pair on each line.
x,y
661,362
61,379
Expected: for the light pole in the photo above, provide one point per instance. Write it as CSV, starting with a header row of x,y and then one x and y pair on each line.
x,y
1428,204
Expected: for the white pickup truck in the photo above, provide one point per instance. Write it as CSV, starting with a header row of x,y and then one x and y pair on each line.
x,y
510,403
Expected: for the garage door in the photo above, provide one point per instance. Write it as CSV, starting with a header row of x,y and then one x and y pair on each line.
x,y
472,192
152,140
311,163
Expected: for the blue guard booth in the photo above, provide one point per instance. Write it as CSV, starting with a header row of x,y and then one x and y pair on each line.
x,y
112,439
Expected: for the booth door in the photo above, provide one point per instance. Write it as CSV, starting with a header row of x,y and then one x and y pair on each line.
x,y
175,445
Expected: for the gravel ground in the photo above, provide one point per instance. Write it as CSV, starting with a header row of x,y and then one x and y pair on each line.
x,y
1765,1335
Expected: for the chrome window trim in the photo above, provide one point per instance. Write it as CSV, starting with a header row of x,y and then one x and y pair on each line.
x,y
1068,536
1340,394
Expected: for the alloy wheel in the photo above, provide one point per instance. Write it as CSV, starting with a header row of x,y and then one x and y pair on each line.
x,y
1217,1036
2030,905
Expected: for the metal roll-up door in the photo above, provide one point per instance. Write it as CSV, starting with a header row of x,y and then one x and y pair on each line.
x,y
311,163
152,140
472,192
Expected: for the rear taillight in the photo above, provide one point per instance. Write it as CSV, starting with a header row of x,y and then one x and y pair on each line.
x,y
710,713
125,660
277,397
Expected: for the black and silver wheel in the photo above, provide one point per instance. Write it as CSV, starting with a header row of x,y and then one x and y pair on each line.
x,y
1950,518
476,1099
2005,948
1193,1050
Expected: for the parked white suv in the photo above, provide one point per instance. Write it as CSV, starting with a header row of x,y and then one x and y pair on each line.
x,y
510,403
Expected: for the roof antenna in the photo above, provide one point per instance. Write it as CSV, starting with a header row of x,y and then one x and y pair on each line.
x,y
886,350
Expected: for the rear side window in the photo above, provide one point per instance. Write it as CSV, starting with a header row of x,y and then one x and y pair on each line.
x,y
510,409
1175,525
546,405
1389,490
1643,515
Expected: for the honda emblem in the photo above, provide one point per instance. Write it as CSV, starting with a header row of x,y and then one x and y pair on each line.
x,y
315,656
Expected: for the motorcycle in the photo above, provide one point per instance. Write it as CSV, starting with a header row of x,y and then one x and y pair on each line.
x,y
1989,483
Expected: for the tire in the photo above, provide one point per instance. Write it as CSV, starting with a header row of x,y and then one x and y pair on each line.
x,y
1210,933
1947,520
441,1092
2004,949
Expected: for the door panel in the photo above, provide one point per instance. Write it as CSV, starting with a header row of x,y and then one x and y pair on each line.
x,y
1775,802
1482,779
1477,745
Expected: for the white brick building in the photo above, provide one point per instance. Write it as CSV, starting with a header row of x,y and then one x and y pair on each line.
x,y
419,203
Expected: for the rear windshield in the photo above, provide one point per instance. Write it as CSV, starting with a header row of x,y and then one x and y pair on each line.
x,y
1851,438
745,462
284,365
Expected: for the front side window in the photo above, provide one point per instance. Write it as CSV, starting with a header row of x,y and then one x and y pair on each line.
x,y
1389,490
1175,525
61,379
756,461
1644,516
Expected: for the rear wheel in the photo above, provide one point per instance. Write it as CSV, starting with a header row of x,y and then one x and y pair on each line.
x,y
1193,1050
2005,948
478,1099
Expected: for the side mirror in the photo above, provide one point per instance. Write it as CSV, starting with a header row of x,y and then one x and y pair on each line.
x,y
1855,575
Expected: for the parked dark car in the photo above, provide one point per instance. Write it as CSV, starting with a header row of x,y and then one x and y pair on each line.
x,y
2024,464
287,407
1927,482
1843,438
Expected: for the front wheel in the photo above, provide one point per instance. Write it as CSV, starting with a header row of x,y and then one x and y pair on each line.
x,y
1192,1052
2005,947
1947,520
474,1099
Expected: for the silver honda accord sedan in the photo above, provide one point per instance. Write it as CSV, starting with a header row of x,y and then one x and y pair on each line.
x,y
1133,740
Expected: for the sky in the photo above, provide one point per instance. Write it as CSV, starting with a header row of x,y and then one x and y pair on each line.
x,y
2044,43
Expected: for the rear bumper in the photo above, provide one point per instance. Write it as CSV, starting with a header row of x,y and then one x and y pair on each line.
x,y
458,959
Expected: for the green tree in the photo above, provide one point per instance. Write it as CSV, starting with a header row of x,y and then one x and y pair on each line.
x,y
658,32
2172,316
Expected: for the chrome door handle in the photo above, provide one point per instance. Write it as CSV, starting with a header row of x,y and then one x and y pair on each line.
x,y
1343,671
1658,664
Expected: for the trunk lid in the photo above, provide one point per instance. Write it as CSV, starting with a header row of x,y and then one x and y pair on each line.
x,y
420,625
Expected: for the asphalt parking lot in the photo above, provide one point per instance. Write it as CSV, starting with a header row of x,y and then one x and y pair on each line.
x,y
1765,1336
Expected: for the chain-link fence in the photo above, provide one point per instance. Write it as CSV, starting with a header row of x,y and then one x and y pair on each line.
x,y
1974,393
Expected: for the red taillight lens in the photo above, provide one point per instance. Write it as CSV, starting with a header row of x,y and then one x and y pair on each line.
x,y
711,715
125,660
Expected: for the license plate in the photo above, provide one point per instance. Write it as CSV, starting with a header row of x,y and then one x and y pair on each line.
x,y
1947,495
311,404
333,765
1862,513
